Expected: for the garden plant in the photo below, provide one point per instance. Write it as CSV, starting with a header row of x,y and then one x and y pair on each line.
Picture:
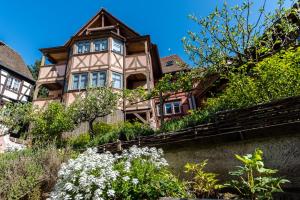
x,y
137,173
254,181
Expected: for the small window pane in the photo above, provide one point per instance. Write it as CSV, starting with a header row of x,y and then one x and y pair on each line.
x,y
75,82
83,81
83,47
9,82
98,79
94,79
80,48
16,85
100,45
176,106
102,79
117,46
168,108
117,80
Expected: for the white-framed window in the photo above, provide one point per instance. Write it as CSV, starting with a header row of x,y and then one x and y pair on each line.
x,y
117,80
117,46
79,81
83,47
170,108
100,45
13,84
98,79
176,107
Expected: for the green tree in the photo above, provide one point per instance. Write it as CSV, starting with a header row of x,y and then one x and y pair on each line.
x,y
98,102
35,69
17,117
49,123
253,180
275,77
233,35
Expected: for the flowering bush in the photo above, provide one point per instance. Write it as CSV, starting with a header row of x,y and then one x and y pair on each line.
x,y
139,173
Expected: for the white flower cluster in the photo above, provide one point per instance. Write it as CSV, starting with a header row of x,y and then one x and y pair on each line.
x,y
91,175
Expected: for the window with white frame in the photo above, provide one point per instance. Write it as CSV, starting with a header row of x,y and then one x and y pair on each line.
x,y
98,79
117,46
170,108
176,107
100,45
79,81
117,80
83,47
13,84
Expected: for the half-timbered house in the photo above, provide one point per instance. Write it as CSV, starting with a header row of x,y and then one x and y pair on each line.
x,y
16,81
104,52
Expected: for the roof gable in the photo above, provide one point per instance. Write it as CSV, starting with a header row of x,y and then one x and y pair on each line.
x,y
172,63
13,62
103,20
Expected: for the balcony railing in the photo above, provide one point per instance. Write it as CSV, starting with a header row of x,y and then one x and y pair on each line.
x,y
51,73
136,61
138,105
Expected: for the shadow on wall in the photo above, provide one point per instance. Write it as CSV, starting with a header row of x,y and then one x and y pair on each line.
x,y
281,152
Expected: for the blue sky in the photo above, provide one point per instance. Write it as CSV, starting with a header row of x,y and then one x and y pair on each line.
x,y
27,25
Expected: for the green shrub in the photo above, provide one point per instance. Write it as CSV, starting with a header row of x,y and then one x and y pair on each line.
x,y
50,123
101,128
253,180
132,130
106,133
30,172
275,77
79,142
203,184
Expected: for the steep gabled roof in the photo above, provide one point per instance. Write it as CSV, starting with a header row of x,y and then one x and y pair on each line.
x,y
12,61
109,19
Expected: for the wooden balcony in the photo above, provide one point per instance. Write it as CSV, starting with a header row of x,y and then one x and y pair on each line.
x,y
51,73
138,61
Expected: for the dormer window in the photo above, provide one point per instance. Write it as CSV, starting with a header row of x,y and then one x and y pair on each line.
x,y
117,46
100,45
169,63
83,47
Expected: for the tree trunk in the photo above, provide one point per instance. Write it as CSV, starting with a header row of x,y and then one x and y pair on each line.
x,y
161,109
91,128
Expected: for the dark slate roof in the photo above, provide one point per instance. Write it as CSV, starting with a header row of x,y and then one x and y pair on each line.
x,y
172,63
12,61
